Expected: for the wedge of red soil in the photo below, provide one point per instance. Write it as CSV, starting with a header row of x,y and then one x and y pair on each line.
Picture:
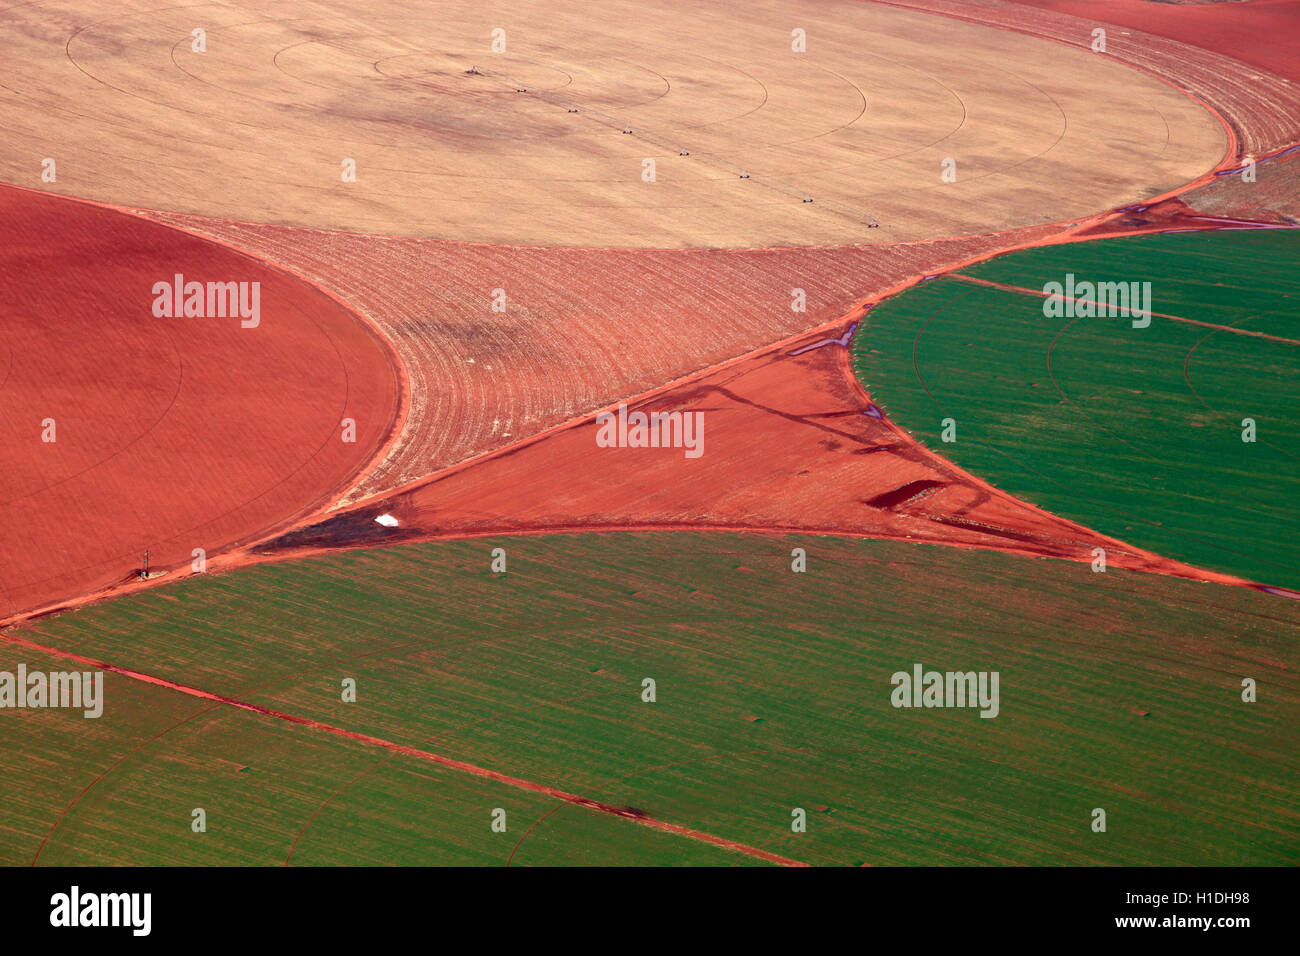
x,y
1261,107
122,431
790,443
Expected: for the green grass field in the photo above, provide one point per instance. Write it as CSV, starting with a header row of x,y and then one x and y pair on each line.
x,y
1118,690
1136,432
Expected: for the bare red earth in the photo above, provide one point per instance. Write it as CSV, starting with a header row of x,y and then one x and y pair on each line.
x,y
170,434
791,443
1265,33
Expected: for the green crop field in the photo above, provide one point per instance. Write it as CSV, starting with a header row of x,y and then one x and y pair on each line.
x,y
272,792
1136,432
1118,691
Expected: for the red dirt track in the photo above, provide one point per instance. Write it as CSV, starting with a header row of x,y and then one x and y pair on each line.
x,y
171,434
410,751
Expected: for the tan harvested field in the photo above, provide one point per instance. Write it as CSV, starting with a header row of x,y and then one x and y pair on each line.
x,y
256,127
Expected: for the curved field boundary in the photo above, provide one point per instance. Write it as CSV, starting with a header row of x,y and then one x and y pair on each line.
x,y
479,380
581,328
1266,33
463,406
838,509
1137,432
1261,107
125,432
756,144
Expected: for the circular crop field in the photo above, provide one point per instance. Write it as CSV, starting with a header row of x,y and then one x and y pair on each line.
x,y
658,124
1175,431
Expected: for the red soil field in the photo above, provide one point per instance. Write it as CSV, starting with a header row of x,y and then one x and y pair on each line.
x,y
170,434
790,443
1262,110
1265,33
